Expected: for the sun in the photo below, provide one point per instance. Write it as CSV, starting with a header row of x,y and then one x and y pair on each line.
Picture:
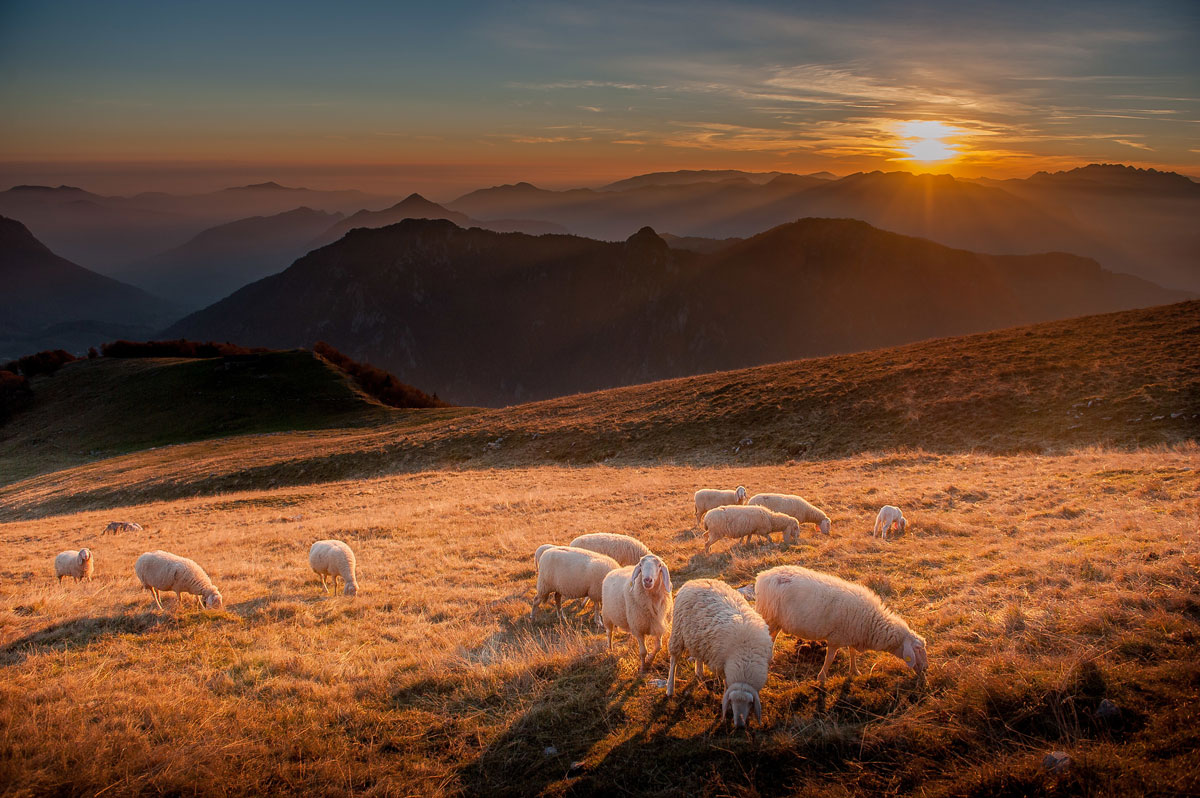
x,y
926,141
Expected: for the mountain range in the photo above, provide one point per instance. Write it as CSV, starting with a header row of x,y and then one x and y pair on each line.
x,y
491,319
49,302
1130,220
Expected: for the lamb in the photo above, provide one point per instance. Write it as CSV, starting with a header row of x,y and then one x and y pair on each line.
x,y
78,564
711,498
889,516
741,522
161,570
334,558
638,600
122,526
819,606
718,627
794,506
624,549
568,572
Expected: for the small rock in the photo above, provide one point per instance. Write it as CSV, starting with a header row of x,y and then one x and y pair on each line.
x,y
746,442
1157,418
575,769
550,751
1056,761
660,683
1108,711
1176,415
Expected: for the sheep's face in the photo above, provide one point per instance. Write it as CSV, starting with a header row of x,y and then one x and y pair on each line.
x,y
791,534
351,589
902,524
213,601
652,572
740,699
748,592
913,654
84,555
825,526
741,494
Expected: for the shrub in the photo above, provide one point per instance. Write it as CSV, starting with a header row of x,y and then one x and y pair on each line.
x,y
14,393
376,382
177,348
46,362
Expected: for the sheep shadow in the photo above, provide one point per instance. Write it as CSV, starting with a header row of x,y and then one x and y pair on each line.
x,y
561,724
76,633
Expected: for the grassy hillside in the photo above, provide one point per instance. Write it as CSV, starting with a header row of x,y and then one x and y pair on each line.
x,y
94,409
1121,380
1043,584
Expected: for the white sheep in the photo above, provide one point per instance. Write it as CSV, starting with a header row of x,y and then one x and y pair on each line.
x,y
122,526
711,498
817,606
161,570
717,626
794,506
334,558
637,598
624,549
78,564
537,555
571,573
888,517
741,522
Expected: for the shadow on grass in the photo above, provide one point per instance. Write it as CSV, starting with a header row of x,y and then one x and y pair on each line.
x,y
576,710
77,633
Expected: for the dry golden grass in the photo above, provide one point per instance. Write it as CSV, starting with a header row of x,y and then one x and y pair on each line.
x,y
1043,584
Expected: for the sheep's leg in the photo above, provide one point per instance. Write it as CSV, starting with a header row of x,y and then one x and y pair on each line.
x,y
853,660
653,651
641,645
699,669
707,544
154,594
537,600
774,633
558,604
829,655
178,601
671,676
324,586
60,576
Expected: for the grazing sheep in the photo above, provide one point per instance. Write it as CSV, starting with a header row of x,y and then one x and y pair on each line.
x,y
122,526
711,498
161,570
637,598
742,522
794,506
334,558
572,573
718,627
624,549
818,606
888,517
78,564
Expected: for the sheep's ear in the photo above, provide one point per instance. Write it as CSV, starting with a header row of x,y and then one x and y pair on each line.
x,y
633,577
758,709
666,578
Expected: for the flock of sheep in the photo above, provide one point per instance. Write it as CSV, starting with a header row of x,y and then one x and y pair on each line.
x,y
714,624
630,588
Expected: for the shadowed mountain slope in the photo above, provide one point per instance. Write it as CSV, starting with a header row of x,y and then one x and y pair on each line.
x,y
489,319
48,301
222,259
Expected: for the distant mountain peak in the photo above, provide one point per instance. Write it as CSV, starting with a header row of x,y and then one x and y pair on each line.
x,y
270,185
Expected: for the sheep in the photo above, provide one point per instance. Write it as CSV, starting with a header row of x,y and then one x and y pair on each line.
x,y
122,526
638,600
572,573
711,498
162,570
78,564
537,555
718,627
334,558
794,506
741,522
819,606
624,549
889,516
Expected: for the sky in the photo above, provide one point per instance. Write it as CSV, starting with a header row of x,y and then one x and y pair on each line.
x,y
448,96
